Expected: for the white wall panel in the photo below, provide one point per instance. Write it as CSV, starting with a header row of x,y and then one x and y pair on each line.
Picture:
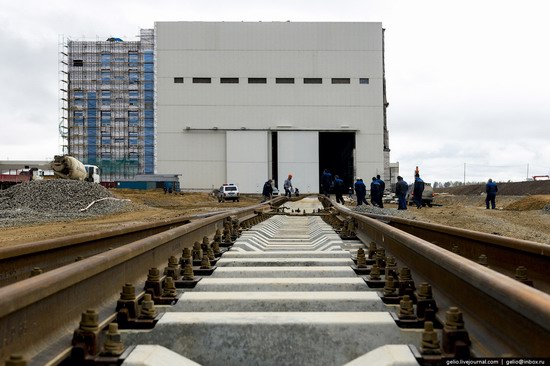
x,y
247,160
198,156
367,119
271,50
298,154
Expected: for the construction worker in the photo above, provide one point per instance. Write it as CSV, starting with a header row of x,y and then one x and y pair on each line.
x,y
491,189
417,190
401,188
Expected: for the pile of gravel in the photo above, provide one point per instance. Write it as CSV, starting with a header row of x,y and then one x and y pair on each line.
x,y
38,202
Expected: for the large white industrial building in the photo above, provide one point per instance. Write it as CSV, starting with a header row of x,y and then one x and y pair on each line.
x,y
241,102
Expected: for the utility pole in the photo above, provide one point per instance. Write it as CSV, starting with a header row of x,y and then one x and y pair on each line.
x,y
527,178
464,173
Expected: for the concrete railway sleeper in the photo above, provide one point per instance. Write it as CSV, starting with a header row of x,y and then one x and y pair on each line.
x,y
272,289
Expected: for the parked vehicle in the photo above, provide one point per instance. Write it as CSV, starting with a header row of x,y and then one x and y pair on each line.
x,y
427,195
25,175
68,167
228,192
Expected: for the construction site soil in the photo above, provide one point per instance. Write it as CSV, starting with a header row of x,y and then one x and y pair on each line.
x,y
523,212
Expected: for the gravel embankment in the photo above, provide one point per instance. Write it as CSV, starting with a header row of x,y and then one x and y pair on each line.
x,y
39,202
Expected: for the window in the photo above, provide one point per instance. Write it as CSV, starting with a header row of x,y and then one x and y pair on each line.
x,y
105,76
284,80
178,80
257,80
363,80
202,80
313,81
229,80
78,63
133,59
133,77
78,118
106,118
105,59
133,97
340,80
133,118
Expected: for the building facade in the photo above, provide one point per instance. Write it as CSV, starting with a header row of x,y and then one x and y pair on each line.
x,y
107,111
243,102
231,102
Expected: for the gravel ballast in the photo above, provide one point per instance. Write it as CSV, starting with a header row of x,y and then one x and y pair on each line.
x,y
38,202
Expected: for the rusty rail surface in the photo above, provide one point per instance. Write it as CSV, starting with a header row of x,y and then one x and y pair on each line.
x,y
17,262
503,315
38,310
504,254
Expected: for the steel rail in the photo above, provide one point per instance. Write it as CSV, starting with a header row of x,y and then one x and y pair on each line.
x,y
502,315
504,254
48,306
18,261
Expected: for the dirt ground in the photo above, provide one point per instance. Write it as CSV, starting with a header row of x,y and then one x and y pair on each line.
x,y
522,217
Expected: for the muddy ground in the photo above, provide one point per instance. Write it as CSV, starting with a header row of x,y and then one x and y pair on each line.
x,y
522,217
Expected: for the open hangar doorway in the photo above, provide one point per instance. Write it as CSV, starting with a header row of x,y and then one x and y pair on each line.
x,y
336,153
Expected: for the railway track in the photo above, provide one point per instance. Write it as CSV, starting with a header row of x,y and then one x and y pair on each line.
x,y
286,293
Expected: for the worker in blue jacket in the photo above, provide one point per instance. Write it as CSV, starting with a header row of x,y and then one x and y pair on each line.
x,y
374,191
417,190
401,189
326,182
381,190
339,189
491,189
361,192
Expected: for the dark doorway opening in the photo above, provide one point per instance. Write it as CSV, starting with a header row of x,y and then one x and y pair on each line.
x,y
336,150
274,159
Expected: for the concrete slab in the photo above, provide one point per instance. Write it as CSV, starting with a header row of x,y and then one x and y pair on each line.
x,y
279,301
278,262
283,272
151,355
318,338
390,355
235,253
281,284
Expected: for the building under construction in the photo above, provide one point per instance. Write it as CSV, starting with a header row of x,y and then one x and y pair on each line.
x,y
230,102
107,104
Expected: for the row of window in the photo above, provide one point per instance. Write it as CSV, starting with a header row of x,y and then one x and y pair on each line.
x,y
132,59
200,80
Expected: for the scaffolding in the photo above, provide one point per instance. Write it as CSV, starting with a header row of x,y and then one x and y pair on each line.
x,y
107,104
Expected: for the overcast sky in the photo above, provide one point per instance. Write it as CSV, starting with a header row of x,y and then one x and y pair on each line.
x,y
468,82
